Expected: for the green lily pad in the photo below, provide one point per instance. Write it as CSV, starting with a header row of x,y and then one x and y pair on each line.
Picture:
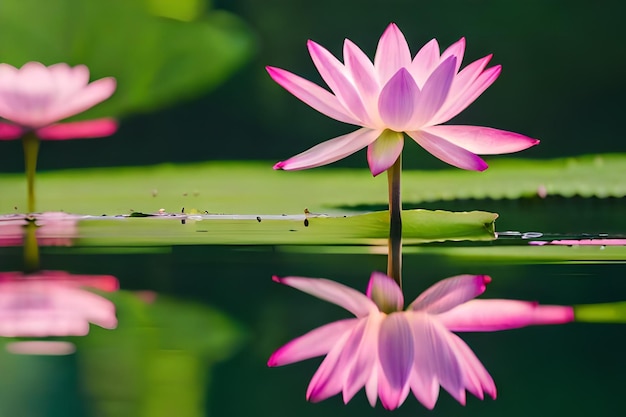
x,y
419,226
220,187
162,61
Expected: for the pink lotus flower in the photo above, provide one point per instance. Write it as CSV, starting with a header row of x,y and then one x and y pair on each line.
x,y
396,95
392,352
54,303
36,97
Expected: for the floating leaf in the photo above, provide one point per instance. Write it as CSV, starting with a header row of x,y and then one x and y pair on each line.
x,y
372,229
254,188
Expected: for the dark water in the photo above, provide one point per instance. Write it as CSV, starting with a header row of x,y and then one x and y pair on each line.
x,y
200,347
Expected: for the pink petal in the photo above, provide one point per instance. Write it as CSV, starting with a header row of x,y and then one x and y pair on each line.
x,y
385,292
424,383
327,384
328,379
482,140
462,81
437,357
448,152
365,359
363,75
457,50
425,61
355,302
475,377
330,151
392,53
86,98
390,398
26,94
10,131
69,79
315,343
468,95
371,386
384,151
395,350
334,74
493,315
433,94
75,130
397,100
311,94
449,293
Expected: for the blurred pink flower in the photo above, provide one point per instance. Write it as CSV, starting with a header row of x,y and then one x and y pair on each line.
x,y
35,97
54,228
54,303
394,95
392,352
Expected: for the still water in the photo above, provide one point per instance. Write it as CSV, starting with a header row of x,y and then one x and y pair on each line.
x,y
197,323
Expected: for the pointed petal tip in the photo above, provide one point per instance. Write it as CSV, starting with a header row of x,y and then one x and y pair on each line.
x,y
392,26
271,362
553,314
486,279
276,278
376,170
279,165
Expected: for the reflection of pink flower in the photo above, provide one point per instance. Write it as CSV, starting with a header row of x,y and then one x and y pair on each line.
x,y
398,94
392,352
53,228
35,97
53,303
581,242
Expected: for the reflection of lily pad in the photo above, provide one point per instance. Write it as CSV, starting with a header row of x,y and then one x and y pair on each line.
x,y
155,60
372,228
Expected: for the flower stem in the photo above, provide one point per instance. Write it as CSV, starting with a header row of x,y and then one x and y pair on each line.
x,y
31,149
31,248
394,259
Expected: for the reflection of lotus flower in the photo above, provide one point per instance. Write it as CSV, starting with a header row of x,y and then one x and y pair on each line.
x,y
35,97
392,352
53,228
397,94
52,303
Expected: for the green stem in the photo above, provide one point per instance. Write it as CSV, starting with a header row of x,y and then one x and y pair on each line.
x,y
394,259
31,149
31,249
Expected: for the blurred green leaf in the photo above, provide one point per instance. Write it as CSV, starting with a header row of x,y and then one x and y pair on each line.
x,y
155,60
185,10
157,362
